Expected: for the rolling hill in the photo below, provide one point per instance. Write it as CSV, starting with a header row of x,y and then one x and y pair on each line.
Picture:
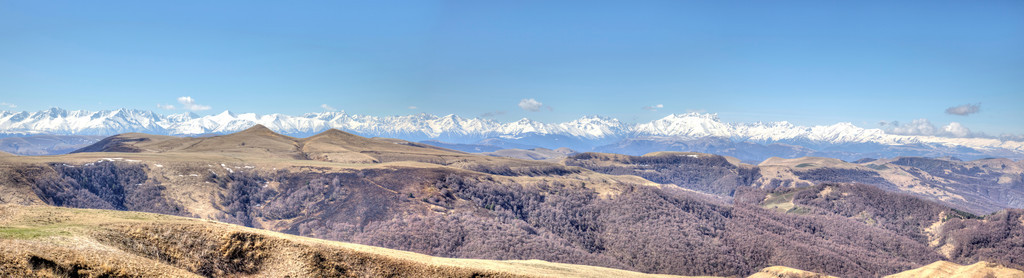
x,y
43,241
39,241
259,141
948,269
636,213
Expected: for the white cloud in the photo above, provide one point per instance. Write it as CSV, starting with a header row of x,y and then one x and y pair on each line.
x,y
964,110
530,104
956,129
165,106
916,127
188,103
653,107
412,107
923,127
328,107
9,105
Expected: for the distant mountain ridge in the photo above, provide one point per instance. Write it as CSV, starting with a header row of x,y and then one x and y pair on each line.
x,y
583,134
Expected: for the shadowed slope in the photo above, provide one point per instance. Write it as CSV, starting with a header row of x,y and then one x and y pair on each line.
x,y
255,140
131,143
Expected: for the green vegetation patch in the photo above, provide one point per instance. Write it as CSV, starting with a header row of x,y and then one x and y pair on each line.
x,y
962,215
805,165
799,210
28,233
783,202
867,218
779,198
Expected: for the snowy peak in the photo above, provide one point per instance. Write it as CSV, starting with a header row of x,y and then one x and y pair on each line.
x,y
454,128
687,125
181,117
225,114
594,127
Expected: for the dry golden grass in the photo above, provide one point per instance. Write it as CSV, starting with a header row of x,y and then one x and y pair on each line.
x,y
946,269
786,272
43,241
259,144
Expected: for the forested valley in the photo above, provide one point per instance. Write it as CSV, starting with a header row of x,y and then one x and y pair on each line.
x,y
845,229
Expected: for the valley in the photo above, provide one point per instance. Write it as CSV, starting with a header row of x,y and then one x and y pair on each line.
x,y
664,213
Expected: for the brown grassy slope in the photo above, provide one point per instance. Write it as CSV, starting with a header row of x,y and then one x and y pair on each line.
x,y
339,146
786,272
16,182
255,141
947,269
259,142
133,143
42,241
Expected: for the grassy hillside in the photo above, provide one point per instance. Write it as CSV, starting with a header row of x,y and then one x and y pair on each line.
x,y
42,241
457,213
948,269
701,217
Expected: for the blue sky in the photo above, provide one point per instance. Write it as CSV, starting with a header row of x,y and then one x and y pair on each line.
x,y
808,62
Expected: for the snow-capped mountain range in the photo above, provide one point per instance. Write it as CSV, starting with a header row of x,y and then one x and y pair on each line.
x,y
583,133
